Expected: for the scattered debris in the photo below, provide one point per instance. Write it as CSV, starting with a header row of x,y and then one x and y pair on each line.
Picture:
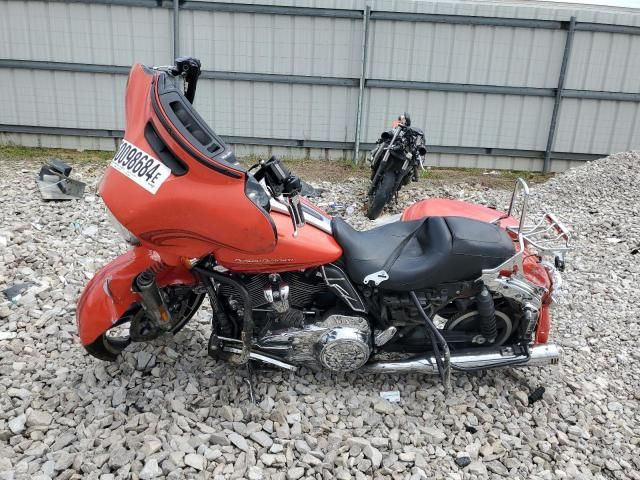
x,y
90,231
14,292
332,208
536,395
392,396
463,459
145,360
350,210
54,182
310,191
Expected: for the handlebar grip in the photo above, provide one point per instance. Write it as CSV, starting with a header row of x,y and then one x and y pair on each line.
x,y
300,212
297,213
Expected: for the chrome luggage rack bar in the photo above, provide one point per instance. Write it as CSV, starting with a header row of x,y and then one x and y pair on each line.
x,y
550,236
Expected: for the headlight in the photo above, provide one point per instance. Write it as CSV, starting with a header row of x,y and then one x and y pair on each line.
x,y
128,237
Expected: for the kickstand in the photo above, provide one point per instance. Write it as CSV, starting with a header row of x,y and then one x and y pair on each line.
x,y
443,360
249,381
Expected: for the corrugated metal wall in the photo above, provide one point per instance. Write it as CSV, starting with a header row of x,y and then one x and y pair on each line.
x,y
466,127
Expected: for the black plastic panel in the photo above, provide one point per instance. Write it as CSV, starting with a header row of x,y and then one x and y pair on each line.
x,y
166,156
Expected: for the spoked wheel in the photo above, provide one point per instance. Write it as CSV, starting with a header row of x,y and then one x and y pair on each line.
x,y
469,322
134,325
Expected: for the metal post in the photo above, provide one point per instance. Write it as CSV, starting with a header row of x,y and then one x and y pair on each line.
x,y
363,72
556,106
176,29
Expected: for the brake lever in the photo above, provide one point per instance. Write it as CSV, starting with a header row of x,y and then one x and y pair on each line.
x,y
295,211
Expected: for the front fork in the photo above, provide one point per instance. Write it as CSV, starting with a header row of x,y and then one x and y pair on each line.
x,y
152,300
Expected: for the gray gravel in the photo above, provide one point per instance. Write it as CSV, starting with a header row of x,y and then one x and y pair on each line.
x,y
167,410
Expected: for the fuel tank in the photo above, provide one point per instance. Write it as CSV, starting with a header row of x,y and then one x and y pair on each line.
x,y
311,247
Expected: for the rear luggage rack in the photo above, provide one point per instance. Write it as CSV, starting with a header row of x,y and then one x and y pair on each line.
x,y
549,236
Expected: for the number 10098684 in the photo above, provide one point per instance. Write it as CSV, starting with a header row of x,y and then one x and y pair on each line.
x,y
139,166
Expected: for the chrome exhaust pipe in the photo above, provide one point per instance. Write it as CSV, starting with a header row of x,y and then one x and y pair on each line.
x,y
476,358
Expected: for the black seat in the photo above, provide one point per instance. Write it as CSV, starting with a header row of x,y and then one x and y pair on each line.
x,y
423,253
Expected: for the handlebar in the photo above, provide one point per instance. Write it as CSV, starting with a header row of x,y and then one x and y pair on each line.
x,y
281,182
189,69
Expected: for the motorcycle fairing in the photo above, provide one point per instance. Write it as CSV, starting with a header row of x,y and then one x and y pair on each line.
x,y
185,205
188,128
109,293
311,247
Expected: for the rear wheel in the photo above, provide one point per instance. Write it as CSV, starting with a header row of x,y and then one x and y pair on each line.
x,y
380,195
469,322
134,326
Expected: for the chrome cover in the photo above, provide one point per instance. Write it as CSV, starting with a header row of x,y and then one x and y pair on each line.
x,y
311,216
338,281
343,349
383,336
377,277
339,342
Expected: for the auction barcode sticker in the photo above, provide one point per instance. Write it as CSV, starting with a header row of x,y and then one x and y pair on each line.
x,y
139,166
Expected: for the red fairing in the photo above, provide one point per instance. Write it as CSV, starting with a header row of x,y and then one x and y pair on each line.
x,y
533,270
190,215
310,248
203,211
109,293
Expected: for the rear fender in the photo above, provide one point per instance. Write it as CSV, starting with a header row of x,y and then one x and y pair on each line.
x,y
109,293
444,207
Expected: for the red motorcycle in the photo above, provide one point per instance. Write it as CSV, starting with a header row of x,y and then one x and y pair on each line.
x,y
452,286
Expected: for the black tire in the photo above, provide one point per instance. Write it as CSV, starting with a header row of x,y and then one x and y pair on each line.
x,y
380,195
183,306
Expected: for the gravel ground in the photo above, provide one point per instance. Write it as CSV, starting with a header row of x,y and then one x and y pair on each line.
x,y
167,410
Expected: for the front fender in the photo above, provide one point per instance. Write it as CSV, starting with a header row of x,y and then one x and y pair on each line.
x,y
109,293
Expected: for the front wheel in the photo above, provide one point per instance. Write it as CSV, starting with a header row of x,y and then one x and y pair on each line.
x,y
380,194
183,303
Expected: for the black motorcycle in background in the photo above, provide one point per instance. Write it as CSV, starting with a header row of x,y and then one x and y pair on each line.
x,y
394,163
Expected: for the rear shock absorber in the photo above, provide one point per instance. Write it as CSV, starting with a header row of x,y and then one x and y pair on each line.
x,y
152,300
487,314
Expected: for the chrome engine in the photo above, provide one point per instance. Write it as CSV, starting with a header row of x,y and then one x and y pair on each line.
x,y
298,327
339,343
